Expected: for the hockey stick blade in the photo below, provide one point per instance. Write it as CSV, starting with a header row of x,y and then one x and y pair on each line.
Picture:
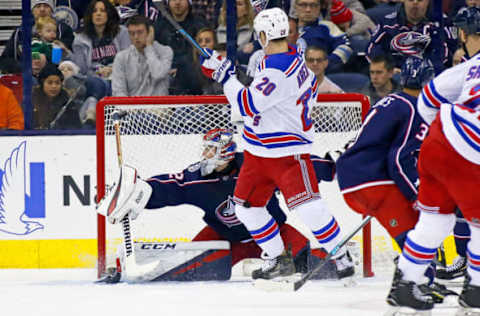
x,y
134,271
298,284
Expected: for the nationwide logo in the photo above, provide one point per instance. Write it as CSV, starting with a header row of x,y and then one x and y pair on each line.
x,y
17,208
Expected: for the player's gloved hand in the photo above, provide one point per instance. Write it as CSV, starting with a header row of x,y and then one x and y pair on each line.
x,y
410,43
217,67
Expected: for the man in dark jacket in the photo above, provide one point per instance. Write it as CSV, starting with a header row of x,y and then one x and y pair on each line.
x,y
185,81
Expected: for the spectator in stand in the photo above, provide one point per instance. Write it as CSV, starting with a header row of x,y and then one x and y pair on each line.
x,y
101,38
52,107
183,76
324,34
325,8
129,8
245,15
38,62
206,38
317,61
381,9
414,15
11,115
143,68
381,79
356,25
46,38
40,8
208,9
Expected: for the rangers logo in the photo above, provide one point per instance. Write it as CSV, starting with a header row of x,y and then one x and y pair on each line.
x,y
226,213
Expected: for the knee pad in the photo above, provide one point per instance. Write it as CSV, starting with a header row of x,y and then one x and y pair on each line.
x,y
432,228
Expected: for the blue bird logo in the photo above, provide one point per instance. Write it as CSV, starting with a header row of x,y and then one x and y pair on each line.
x,y
12,195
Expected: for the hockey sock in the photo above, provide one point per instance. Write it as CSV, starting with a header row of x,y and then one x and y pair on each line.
x,y
473,256
262,227
323,225
461,232
422,242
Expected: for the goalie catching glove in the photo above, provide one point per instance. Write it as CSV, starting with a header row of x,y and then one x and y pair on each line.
x,y
216,66
129,196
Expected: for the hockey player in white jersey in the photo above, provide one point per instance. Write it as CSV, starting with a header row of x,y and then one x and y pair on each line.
x,y
449,172
446,88
278,137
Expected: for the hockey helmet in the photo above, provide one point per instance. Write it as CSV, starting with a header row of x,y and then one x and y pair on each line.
x,y
416,73
221,140
273,22
468,19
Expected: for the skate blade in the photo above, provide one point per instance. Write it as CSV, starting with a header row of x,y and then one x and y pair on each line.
x,y
462,311
280,284
402,311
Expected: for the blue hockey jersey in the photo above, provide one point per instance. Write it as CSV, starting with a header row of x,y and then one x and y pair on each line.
x,y
440,50
386,149
213,194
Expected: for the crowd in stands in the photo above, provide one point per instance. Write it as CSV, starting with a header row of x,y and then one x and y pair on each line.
x,y
82,53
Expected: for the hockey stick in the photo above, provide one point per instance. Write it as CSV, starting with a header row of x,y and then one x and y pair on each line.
x,y
298,284
133,270
161,7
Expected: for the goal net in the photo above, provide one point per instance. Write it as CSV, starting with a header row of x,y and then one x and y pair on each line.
x,y
164,135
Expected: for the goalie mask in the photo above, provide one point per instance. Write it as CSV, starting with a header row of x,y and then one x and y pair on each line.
x,y
273,22
218,149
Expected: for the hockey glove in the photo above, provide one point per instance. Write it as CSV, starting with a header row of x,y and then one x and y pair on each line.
x,y
217,67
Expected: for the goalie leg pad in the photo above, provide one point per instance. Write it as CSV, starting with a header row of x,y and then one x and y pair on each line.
x,y
129,196
190,261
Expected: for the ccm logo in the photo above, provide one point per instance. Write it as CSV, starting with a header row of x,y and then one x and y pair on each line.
x,y
156,246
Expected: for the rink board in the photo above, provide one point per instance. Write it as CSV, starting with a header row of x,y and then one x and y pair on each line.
x,y
48,204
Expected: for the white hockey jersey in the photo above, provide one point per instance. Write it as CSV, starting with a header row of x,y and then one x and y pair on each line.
x,y
461,123
459,84
461,126
276,106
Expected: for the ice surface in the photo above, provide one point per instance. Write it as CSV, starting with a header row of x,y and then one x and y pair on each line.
x,y
71,292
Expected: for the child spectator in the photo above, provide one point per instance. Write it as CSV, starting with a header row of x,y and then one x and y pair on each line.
x,y
11,115
52,107
206,38
351,22
46,38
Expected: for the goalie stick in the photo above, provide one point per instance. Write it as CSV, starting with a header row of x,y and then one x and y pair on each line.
x,y
134,271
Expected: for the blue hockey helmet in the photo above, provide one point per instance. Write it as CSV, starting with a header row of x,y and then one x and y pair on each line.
x,y
416,73
468,19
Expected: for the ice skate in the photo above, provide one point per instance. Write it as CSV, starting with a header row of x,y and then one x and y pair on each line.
x,y
455,270
438,292
469,299
274,268
345,266
407,298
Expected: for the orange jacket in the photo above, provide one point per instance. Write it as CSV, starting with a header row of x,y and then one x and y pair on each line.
x,y
11,115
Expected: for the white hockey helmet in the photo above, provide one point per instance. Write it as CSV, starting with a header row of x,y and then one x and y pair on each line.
x,y
273,22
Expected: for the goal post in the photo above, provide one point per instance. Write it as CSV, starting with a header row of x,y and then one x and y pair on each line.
x,y
164,134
